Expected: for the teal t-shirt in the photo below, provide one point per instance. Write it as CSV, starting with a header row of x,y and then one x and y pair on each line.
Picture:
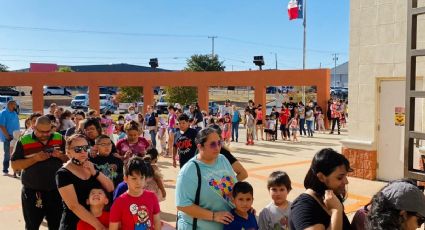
x,y
216,190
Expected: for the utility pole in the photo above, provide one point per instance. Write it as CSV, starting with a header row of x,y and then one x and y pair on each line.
x,y
335,59
212,40
275,59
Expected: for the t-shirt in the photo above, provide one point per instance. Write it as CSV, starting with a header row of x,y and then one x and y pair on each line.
x,y
172,120
120,189
104,219
111,166
138,148
309,115
185,145
225,110
131,117
291,106
198,116
135,212
41,175
306,212
284,116
301,112
217,182
9,120
274,218
235,116
240,223
250,121
82,188
150,119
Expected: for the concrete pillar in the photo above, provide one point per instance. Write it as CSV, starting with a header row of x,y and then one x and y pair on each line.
x,y
148,98
203,98
260,98
37,99
94,100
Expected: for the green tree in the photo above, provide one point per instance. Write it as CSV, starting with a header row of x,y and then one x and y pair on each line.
x,y
130,94
200,63
3,68
196,63
181,95
65,69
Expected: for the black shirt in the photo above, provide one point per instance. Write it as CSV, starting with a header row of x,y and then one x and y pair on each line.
x,y
306,212
82,188
111,166
41,175
228,155
291,106
185,145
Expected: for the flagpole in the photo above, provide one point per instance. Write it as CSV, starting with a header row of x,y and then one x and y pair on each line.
x,y
304,43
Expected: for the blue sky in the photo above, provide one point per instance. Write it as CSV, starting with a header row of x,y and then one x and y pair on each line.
x,y
132,31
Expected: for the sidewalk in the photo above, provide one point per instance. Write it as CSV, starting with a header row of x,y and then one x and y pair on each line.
x,y
260,160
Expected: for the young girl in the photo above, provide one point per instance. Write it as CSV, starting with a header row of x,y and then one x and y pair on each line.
x,y
227,128
320,122
267,130
250,125
155,183
162,136
119,128
107,122
293,126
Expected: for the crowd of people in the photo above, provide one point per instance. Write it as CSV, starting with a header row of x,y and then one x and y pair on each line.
x,y
88,171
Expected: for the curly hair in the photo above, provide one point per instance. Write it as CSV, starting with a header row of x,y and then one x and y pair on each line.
x,y
383,214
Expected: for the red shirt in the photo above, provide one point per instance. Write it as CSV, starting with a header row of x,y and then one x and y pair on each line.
x,y
104,219
135,212
284,116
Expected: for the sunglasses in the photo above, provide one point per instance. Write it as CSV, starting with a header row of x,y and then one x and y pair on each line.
x,y
81,148
215,144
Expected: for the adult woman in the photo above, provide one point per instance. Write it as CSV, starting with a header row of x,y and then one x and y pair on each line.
x,y
259,122
301,115
399,205
216,180
320,206
236,118
75,180
65,122
133,144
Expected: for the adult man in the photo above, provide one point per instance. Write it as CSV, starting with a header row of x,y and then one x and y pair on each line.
x,y
184,141
152,124
78,116
9,122
39,155
226,109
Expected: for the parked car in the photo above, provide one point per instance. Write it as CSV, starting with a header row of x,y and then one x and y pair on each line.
x,y
9,91
107,90
106,103
272,90
5,99
55,90
81,101
162,106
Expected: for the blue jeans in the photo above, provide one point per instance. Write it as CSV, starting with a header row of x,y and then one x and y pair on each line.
x,y
310,128
6,160
153,137
302,128
235,130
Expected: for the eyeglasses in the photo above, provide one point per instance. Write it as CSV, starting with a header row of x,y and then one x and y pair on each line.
x,y
104,144
215,144
43,131
81,148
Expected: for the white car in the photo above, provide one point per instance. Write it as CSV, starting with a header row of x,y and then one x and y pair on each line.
x,y
106,103
81,101
5,99
55,90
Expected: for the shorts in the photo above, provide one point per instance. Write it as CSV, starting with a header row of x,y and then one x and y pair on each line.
x,y
294,129
259,122
282,127
249,131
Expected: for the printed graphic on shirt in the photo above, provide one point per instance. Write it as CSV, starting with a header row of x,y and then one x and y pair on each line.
x,y
223,187
184,145
109,170
140,216
283,225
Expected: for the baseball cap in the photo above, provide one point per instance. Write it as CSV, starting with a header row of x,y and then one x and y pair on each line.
x,y
405,196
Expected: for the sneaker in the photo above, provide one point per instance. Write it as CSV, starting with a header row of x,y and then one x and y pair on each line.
x,y
5,174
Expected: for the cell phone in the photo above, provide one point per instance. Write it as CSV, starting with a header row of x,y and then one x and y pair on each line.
x,y
49,150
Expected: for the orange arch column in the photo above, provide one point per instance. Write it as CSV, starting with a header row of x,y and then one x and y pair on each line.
x,y
203,97
323,94
147,97
260,98
94,100
37,99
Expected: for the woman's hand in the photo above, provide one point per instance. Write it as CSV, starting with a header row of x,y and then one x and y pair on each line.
x,y
223,217
331,201
90,166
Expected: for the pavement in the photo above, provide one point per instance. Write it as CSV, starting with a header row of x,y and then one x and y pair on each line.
x,y
259,160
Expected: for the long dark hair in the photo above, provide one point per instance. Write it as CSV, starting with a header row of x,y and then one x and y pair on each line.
x,y
325,161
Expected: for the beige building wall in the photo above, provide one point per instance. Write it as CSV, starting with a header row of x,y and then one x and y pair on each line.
x,y
378,35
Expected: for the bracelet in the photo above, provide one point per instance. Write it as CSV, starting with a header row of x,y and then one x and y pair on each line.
x,y
213,216
96,174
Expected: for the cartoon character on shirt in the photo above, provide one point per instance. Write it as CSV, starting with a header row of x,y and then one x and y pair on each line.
x,y
110,170
140,216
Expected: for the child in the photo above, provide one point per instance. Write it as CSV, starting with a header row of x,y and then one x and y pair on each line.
x,y
97,201
119,128
243,198
162,136
250,125
155,183
320,122
227,129
137,208
267,130
275,215
107,122
293,126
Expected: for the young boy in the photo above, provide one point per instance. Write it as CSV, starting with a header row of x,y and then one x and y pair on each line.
x,y
137,208
275,215
243,217
97,201
250,126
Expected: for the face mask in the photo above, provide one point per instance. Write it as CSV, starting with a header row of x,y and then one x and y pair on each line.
x,y
108,117
75,161
131,112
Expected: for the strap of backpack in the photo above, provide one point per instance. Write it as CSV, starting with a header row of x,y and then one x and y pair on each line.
x,y
198,193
